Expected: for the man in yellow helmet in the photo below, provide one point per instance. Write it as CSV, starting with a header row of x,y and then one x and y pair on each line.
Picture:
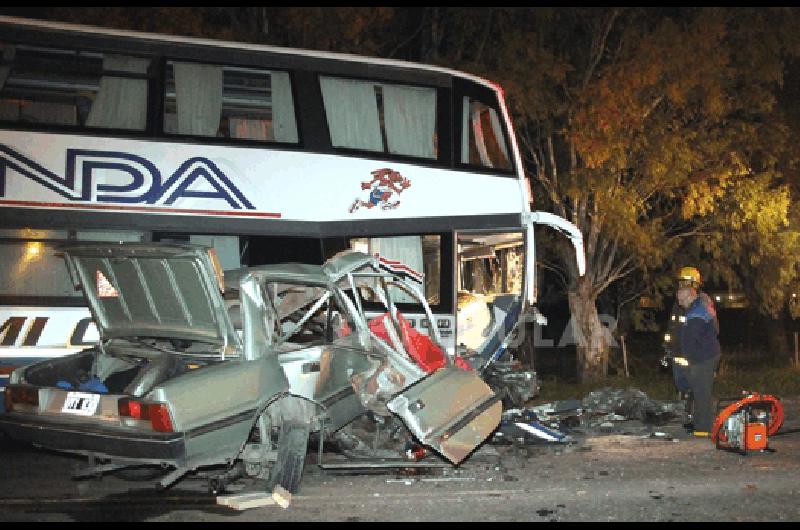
x,y
688,277
700,347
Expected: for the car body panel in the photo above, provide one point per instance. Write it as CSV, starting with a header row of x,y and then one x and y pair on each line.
x,y
59,434
452,411
295,331
228,389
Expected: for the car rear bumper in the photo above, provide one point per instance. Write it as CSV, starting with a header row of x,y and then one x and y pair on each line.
x,y
97,440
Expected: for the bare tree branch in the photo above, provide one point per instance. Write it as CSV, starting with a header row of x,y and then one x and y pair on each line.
x,y
410,38
624,269
558,271
599,47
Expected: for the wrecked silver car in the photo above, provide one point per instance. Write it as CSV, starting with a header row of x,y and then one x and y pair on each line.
x,y
196,372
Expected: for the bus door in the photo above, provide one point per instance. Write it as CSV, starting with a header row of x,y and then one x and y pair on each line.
x,y
491,279
569,230
497,285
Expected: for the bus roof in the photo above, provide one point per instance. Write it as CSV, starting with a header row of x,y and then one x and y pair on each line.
x,y
298,52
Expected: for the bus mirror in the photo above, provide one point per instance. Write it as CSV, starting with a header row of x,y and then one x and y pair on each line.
x,y
566,228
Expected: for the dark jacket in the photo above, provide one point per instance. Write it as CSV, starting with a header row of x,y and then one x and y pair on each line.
x,y
677,321
699,342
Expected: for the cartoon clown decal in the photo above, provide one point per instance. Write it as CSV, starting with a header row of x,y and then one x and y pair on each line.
x,y
385,187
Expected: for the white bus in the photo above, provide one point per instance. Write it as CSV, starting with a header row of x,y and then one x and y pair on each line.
x,y
269,155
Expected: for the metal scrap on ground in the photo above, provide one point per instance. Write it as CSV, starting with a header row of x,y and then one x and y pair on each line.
x,y
632,404
604,410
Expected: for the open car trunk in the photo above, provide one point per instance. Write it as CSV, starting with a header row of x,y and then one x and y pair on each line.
x,y
161,316
134,373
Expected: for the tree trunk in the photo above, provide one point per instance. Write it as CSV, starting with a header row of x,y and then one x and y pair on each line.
x,y
590,333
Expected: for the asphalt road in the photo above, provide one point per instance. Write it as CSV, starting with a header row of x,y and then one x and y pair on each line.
x,y
604,478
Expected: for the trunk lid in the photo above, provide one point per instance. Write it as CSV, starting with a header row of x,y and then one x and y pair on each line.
x,y
152,291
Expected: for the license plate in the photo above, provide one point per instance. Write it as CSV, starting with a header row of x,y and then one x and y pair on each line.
x,y
81,404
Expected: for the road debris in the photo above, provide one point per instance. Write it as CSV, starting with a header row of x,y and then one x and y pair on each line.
x,y
631,404
515,385
282,497
250,501
607,411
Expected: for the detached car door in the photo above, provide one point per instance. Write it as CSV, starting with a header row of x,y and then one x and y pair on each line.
x,y
448,407
452,411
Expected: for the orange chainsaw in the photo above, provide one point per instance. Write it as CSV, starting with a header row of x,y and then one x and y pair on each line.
x,y
747,424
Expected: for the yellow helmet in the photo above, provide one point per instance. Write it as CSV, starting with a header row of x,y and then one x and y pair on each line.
x,y
690,276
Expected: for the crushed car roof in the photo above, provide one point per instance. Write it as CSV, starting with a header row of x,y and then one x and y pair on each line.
x,y
333,271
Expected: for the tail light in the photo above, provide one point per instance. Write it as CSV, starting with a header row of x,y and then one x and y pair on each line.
x,y
130,409
159,417
19,396
157,414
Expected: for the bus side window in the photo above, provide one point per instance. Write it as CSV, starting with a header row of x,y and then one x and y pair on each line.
x,y
33,269
227,102
420,254
381,118
484,144
121,102
49,86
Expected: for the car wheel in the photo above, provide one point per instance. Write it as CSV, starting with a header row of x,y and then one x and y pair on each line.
x,y
292,448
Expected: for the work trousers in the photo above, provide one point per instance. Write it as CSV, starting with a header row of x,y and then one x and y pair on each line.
x,y
680,375
701,379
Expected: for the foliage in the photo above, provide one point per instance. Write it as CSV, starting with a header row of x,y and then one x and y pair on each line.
x,y
187,21
361,30
656,131
343,29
